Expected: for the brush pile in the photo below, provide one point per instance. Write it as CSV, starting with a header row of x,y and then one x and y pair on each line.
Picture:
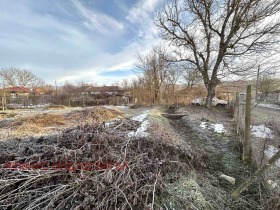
x,y
123,125
89,167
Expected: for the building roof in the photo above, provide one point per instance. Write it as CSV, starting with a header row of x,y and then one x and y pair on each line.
x,y
83,88
104,89
18,89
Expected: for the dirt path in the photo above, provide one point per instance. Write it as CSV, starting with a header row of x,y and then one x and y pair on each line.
x,y
222,155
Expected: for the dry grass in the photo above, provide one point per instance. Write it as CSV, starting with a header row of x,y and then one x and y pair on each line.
x,y
47,123
159,127
45,120
28,129
55,107
93,115
38,124
7,115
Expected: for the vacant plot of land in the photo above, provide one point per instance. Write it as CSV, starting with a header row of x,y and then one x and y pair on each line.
x,y
106,159
34,123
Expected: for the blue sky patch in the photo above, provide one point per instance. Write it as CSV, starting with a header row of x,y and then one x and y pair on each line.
x,y
69,40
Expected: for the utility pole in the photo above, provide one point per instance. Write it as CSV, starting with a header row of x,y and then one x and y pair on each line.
x,y
257,84
55,88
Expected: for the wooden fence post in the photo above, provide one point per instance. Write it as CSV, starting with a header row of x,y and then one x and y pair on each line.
x,y
247,143
241,118
236,111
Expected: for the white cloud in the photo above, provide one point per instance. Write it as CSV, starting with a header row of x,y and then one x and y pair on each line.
x,y
58,49
125,59
150,5
99,21
143,16
142,11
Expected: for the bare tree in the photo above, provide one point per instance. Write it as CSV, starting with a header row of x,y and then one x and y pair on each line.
x,y
8,76
174,73
154,68
125,84
192,76
268,82
116,83
215,35
69,92
48,89
20,77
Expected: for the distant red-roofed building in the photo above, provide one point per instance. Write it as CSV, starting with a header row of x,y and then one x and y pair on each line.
x,y
15,95
17,91
39,91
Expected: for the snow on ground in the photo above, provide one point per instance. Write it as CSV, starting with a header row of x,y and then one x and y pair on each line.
x,y
261,131
270,152
218,128
203,125
141,131
107,124
270,106
115,107
141,117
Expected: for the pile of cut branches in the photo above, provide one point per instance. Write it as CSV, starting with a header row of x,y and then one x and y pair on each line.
x,y
90,168
123,125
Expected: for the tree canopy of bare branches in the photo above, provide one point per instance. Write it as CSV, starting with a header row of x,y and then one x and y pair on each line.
x,y
154,68
20,77
192,76
216,35
268,82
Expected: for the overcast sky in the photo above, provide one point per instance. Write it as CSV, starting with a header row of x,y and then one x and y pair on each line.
x,y
90,40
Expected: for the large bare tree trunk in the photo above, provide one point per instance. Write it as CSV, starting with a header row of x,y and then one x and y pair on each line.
x,y
210,93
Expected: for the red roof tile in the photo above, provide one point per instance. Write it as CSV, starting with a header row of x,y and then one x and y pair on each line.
x,y
20,89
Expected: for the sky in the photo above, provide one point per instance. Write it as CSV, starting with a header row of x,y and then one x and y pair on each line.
x,y
94,41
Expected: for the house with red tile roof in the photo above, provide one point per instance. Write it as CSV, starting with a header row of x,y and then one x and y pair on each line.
x,y
17,91
15,95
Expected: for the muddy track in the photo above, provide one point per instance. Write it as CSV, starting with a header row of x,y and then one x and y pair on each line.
x,y
223,156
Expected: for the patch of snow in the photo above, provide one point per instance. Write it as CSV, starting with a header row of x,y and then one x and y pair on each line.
x,y
115,107
262,132
270,106
122,107
218,128
107,124
203,125
141,117
141,131
270,152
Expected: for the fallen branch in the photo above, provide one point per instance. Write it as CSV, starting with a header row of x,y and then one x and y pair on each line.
x,y
256,175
